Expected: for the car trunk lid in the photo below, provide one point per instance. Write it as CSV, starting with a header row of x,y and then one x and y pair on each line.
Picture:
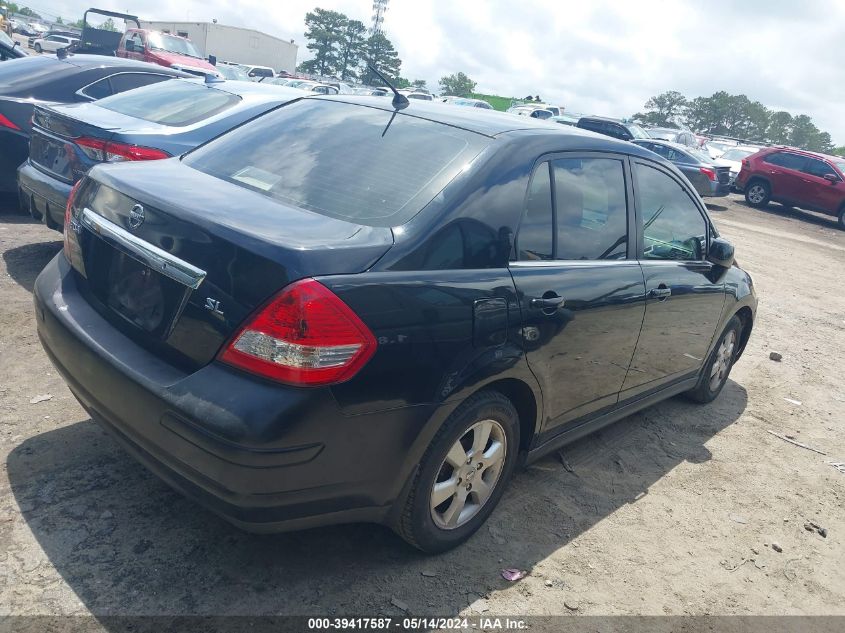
x,y
179,278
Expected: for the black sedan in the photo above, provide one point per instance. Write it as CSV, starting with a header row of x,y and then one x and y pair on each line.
x,y
708,178
38,79
157,121
341,311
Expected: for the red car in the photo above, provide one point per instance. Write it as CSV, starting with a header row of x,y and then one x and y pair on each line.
x,y
795,177
164,49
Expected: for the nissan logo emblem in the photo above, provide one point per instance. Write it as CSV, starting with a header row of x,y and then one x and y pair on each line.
x,y
136,217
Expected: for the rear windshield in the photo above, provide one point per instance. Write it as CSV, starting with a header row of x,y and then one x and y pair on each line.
x,y
177,103
342,160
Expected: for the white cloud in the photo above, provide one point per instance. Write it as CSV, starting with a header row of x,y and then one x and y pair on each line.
x,y
601,56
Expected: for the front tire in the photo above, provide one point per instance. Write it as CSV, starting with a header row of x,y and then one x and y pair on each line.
x,y
38,48
758,194
715,373
462,475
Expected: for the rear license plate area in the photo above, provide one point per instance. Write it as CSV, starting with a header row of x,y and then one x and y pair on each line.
x,y
50,154
133,291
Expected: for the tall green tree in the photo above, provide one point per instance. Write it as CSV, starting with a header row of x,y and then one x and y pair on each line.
x,y
352,42
419,83
458,85
379,52
324,30
665,109
780,126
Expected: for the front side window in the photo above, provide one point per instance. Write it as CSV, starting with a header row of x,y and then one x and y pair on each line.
x,y
816,167
591,208
536,233
673,227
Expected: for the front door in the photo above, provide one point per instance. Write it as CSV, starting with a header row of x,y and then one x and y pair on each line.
x,y
821,193
685,293
581,290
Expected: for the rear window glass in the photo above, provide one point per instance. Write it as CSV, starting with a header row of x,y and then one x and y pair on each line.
x,y
357,163
177,103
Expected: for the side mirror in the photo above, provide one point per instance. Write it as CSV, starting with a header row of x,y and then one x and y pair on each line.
x,y
129,46
831,178
721,253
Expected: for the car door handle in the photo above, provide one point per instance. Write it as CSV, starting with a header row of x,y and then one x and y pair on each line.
x,y
547,303
662,292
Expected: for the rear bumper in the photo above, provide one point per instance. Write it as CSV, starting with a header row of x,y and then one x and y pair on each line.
x,y
717,189
264,456
46,194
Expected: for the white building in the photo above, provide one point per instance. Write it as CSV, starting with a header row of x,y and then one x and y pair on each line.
x,y
233,43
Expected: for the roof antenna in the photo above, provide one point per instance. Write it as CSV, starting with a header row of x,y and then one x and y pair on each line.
x,y
400,101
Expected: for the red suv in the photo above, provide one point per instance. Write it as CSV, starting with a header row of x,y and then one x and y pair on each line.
x,y
795,177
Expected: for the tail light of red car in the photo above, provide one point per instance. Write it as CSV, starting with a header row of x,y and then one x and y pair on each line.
x,y
110,151
305,336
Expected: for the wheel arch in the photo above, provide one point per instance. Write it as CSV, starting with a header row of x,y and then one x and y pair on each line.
x,y
524,401
746,317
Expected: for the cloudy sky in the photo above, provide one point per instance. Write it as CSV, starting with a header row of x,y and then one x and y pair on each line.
x,y
592,56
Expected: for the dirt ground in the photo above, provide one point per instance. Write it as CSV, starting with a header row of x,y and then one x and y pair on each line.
x,y
676,510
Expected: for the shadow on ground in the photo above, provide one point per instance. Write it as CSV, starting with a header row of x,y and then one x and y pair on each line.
x,y
25,262
126,544
794,213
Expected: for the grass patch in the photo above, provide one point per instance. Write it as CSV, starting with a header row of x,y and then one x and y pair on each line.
x,y
498,103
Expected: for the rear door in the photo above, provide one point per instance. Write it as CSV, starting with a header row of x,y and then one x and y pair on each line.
x,y
581,290
684,295
818,191
783,170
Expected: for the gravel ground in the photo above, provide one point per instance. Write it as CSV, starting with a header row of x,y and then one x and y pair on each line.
x,y
675,510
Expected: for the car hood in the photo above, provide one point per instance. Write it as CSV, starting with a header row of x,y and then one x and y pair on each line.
x,y
175,59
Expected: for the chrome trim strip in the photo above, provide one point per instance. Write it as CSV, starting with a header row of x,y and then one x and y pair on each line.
x,y
159,260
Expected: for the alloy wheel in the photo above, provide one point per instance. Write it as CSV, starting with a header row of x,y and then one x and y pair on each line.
x,y
468,475
722,362
756,194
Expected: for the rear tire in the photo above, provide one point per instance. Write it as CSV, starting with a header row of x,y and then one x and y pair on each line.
x,y
468,464
758,193
38,48
715,373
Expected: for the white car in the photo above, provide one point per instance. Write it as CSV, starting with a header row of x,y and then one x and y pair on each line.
x,y
416,94
52,43
257,73
717,148
525,109
732,159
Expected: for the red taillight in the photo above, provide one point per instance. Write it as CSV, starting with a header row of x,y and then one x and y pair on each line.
x,y
68,215
304,336
109,151
4,122
710,173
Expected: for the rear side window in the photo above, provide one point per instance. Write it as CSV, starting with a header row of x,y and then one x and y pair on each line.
x,y
98,89
591,207
177,103
362,164
673,227
785,159
129,81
